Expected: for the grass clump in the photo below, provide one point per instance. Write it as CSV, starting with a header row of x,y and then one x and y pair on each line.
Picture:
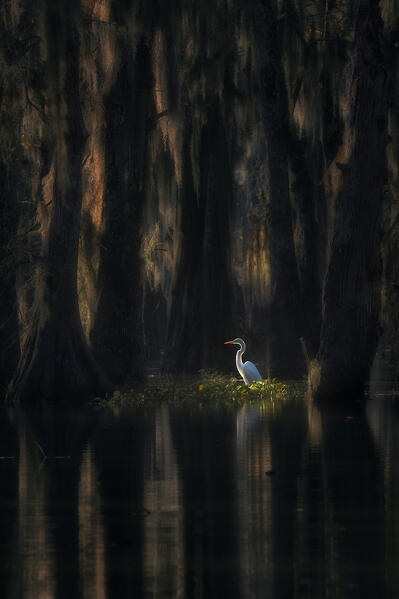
x,y
207,388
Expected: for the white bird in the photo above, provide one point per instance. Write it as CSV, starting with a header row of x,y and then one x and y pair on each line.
x,y
248,370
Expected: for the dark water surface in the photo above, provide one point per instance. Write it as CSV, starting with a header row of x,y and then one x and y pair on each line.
x,y
184,501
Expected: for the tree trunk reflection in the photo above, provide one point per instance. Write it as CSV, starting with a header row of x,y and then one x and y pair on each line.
x,y
283,500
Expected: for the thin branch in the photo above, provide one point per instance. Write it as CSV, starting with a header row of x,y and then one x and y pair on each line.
x,y
41,449
305,351
42,116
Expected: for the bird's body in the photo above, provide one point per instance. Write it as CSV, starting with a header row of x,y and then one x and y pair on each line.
x,y
247,370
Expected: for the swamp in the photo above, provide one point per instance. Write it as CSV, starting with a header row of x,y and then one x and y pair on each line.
x,y
201,498
179,178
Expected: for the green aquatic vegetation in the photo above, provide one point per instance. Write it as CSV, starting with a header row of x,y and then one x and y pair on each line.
x,y
208,388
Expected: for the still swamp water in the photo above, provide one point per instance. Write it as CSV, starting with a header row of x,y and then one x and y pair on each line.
x,y
249,501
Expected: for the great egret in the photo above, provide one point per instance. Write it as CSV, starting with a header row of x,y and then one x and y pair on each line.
x,y
248,371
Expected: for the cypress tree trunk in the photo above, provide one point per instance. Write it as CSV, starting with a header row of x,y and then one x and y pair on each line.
x,y
117,336
56,361
284,322
203,297
17,39
351,294
9,333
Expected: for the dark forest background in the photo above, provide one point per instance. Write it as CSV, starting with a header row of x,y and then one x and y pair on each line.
x,y
177,173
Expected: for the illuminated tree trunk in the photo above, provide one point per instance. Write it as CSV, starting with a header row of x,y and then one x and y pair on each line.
x,y
56,361
351,294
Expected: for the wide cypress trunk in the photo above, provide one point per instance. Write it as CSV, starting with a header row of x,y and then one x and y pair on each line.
x,y
117,336
351,295
56,362
18,44
203,292
285,315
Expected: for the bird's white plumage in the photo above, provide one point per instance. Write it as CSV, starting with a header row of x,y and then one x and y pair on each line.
x,y
250,373
248,370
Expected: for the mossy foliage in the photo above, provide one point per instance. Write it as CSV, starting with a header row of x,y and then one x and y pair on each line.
x,y
209,388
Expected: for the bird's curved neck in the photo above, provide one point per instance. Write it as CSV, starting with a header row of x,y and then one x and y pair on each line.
x,y
239,354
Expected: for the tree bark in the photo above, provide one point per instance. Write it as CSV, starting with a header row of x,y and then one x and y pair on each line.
x,y
56,362
284,312
351,294
9,330
117,336
203,293
16,33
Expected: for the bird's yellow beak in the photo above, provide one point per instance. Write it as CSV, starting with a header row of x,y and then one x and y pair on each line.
x,y
226,342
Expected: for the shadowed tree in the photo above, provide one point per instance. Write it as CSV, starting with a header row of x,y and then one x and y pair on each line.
x,y
56,358
351,293
117,335
13,178
203,298
9,333
284,315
